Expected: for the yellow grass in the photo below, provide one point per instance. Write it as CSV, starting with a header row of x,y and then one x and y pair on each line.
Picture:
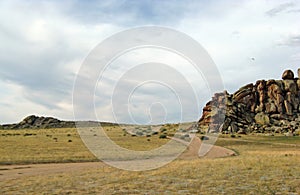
x,y
62,145
257,174
47,145
125,140
265,165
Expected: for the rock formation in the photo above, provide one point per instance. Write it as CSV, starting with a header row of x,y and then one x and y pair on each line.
x,y
270,106
35,122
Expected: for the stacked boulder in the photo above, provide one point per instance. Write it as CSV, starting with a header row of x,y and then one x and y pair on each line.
x,y
270,106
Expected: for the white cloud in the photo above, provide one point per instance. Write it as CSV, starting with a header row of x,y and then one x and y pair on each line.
x,y
257,38
43,45
40,53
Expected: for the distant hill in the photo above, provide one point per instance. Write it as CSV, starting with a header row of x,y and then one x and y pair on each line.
x,y
40,122
268,106
35,122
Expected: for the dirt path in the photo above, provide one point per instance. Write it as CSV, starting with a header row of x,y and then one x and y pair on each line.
x,y
8,172
193,150
15,171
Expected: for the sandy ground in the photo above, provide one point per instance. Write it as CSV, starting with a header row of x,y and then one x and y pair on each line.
x,y
8,172
16,171
192,151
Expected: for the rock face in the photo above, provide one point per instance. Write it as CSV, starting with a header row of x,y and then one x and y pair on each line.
x,y
35,122
266,106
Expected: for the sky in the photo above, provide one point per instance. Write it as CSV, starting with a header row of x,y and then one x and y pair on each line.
x,y
43,45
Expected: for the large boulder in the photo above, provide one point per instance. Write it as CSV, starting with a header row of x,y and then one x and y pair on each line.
x,y
262,119
288,75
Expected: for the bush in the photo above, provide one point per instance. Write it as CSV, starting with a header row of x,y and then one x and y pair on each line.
x,y
204,138
163,136
29,134
164,130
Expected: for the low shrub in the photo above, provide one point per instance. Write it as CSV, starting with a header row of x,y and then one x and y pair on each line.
x,y
163,136
204,137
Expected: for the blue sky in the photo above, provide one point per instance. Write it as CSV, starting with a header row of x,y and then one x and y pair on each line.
x,y
43,44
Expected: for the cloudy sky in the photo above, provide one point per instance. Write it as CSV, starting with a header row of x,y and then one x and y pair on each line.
x,y
44,43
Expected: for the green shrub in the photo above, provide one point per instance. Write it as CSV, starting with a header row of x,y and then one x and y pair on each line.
x,y
204,138
163,136
164,130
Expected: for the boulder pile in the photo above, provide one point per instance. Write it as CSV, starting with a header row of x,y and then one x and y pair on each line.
x,y
268,106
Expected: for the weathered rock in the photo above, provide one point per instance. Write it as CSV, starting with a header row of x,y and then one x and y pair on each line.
x,y
290,86
288,108
288,75
35,122
261,95
271,108
262,119
233,128
257,108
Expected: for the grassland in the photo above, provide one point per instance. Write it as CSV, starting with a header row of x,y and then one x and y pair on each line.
x,y
265,165
63,145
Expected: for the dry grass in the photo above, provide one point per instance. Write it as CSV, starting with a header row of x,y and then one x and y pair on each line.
x,y
125,140
62,145
41,146
267,174
266,165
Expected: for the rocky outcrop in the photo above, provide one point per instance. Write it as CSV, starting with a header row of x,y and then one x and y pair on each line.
x,y
35,122
270,106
